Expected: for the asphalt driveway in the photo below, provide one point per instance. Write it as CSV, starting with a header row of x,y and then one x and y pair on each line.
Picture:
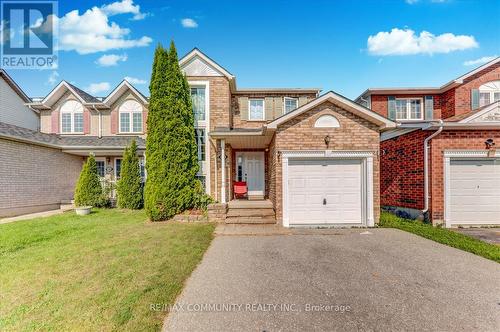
x,y
342,280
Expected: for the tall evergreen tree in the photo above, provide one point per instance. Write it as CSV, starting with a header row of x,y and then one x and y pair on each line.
x,y
171,147
88,191
129,187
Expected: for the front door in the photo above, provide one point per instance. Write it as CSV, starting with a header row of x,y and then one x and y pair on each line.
x,y
251,168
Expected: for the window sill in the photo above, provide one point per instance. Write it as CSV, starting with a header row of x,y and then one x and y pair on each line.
x,y
131,134
72,134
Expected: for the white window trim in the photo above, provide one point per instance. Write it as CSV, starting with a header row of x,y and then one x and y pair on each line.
x,y
205,125
105,164
131,121
408,109
492,96
263,109
284,103
461,155
72,113
368,218
115,170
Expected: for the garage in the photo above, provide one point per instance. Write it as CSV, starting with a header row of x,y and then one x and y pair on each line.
x,y
474,192
327,191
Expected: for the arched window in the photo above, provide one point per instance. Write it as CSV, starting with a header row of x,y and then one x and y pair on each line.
x,y
130,117
489,93
72,117
327,121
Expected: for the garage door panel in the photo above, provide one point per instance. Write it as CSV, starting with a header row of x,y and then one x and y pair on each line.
x,y
336,181
475,191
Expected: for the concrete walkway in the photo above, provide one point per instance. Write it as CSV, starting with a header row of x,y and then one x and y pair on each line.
x,y
32,216
337,280
489,235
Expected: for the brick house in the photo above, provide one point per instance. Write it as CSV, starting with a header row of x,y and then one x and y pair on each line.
x,y
313,159
307,159
441,162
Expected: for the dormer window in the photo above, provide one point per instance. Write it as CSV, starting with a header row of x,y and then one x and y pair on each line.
x,y
489,93
130,117
290,104
72,117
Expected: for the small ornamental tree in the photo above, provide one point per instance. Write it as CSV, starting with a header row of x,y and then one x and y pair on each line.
x,y
88,190
172,162
129,187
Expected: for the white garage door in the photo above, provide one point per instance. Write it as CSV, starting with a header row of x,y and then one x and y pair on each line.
x,y
324,191
474,191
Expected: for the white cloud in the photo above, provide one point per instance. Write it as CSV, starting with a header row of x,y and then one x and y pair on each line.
x,y
53,78
94,88
479,61
124,7
411,2
134,80
404,42
93,32
108,60
189,23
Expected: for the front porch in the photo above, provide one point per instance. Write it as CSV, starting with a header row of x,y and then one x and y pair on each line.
x,y
242,211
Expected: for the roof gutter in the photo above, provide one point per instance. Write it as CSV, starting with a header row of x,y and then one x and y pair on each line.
x,y
426,165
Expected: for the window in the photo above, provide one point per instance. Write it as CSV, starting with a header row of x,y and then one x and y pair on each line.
x,y
409,109
198,100
290,104
327,121
489,93
200,142
256,109
118,168
130,117
72,117
101,168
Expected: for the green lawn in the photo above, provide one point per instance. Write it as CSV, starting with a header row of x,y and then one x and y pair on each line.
x,y
99,272
442,235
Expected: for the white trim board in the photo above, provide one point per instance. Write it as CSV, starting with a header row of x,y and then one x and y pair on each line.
x,y
457,154
367,169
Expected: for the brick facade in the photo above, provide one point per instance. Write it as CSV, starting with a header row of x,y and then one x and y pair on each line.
x,y
35,178
354,134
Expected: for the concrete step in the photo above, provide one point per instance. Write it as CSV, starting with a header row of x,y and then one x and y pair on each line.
x,y
246,204
250,220
250,213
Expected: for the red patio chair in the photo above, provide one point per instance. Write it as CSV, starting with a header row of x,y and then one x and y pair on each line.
x,y
240,189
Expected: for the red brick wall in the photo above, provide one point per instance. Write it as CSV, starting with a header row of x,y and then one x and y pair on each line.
x,y
452,140
402,170
463,92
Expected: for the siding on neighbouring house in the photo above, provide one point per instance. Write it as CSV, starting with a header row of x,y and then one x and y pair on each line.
x,y
13,111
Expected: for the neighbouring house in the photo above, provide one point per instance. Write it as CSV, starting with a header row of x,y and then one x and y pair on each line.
x,y
40,167
13,109
314,159
441,162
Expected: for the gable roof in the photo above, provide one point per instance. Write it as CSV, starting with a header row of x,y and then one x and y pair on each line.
x,y
430,90
196,53
339,100
120,89
469,116
10,81
62,87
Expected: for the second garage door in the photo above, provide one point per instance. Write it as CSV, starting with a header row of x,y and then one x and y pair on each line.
x,y
474,192
325,191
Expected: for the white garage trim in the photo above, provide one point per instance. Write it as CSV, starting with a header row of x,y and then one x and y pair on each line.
x,y
458,154
367,178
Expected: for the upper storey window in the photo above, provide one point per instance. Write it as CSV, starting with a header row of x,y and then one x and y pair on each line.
x,y
409,109
256,109
290,104
489,93
130,117
72,117
199,102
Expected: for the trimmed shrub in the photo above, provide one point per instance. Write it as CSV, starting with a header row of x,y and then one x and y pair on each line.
x,y
172,162
88,191
129,187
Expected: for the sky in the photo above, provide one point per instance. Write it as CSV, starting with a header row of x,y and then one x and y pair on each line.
x,y
344,46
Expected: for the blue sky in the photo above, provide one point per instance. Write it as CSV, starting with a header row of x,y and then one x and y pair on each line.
x,y
275,43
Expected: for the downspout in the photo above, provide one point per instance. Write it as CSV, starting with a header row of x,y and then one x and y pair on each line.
x,y
100,119
426,166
